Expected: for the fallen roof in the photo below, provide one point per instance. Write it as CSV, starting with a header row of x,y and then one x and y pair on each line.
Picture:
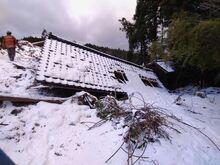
x,y
70,65
167,66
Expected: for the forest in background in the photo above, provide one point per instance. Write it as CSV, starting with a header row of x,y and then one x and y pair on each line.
x,y
185,32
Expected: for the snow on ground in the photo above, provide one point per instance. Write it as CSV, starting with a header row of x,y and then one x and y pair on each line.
x,y
14,80
51,134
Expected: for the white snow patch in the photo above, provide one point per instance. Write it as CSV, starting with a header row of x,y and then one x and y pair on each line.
x,y
58,134
165,65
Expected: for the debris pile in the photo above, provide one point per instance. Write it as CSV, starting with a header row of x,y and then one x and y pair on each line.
x,y
143,125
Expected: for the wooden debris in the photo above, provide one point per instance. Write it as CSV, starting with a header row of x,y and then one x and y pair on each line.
x,y
201,94
31,100
19,66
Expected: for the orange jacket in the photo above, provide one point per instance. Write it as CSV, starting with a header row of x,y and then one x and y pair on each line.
x,y
9,42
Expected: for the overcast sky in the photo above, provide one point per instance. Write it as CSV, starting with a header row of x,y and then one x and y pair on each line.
x,y
85,21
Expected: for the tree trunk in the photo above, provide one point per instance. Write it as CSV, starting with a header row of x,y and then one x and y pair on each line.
x,y
202,79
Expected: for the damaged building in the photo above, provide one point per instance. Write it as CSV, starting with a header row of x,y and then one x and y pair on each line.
x,y
69,66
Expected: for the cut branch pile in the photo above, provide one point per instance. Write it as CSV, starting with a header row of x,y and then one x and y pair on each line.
x,y
144,124
108,109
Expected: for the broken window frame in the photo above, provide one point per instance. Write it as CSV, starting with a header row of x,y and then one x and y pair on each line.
x,y
149,81
120,76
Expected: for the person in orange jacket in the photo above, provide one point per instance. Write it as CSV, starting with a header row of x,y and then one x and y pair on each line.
x,y
9,42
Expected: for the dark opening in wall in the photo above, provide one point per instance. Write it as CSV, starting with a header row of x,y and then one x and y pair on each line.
x,y
120,76
149,81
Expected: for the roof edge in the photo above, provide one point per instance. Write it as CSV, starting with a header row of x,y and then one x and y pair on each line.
x,y
51,36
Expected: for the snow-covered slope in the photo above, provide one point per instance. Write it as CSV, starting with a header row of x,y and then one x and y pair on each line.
x,y
13,80
50,134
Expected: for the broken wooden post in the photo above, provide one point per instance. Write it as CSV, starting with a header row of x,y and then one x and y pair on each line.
x,y
31,100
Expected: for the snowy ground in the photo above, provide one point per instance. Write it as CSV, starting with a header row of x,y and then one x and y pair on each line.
x,y
51,134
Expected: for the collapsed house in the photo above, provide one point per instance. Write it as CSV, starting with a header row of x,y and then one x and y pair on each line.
x,y
165,72
67,65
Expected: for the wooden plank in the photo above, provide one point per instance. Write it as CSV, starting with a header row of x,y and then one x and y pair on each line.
x,y
20,99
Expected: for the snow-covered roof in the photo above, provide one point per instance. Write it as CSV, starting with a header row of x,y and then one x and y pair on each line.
x,y
69,64
165,65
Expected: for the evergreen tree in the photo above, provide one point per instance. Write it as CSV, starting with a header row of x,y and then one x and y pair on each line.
x,y
32,39
209,9
157,51
195,44
144,29
193,33
149,16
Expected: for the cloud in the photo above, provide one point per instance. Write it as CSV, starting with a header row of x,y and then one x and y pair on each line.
x,y
85,21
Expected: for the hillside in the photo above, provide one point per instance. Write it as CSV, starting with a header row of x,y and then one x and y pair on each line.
x,y
124,54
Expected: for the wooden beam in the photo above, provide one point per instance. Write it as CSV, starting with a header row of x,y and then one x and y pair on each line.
x,y
31,100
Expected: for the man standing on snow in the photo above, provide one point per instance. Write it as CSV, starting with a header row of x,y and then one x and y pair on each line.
x,y
9,42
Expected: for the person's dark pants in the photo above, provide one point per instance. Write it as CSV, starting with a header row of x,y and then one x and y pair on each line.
x,y
11,53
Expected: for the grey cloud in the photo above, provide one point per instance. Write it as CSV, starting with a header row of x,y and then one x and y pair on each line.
x,y
30,17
